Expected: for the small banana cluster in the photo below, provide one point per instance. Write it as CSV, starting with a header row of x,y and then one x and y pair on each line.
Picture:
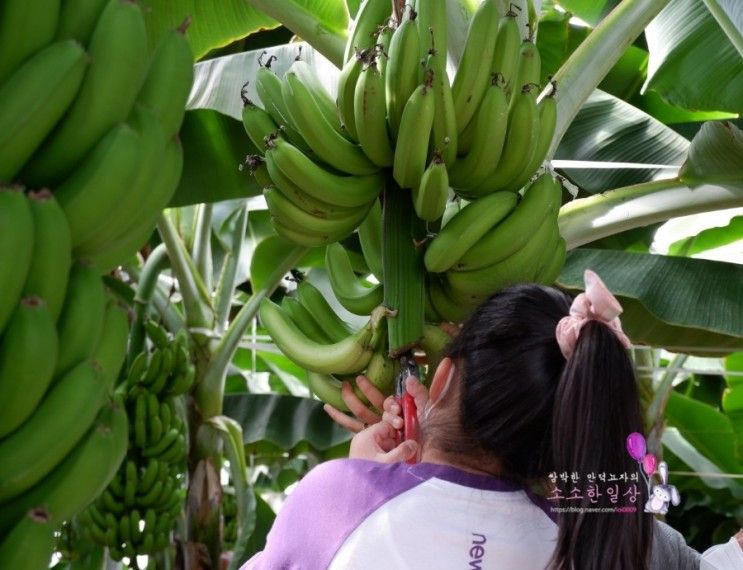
x,y
62,343
86,112
491,243
136,513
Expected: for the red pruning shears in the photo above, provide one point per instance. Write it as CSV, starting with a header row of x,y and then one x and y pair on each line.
x,y
408,367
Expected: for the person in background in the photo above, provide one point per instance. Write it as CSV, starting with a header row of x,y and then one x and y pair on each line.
x,y
535,382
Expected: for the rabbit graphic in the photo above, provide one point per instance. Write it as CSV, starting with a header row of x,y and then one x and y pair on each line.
x,y
662,494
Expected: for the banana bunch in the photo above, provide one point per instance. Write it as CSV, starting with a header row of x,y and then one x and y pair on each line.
x,y
106,141
137,511
493,242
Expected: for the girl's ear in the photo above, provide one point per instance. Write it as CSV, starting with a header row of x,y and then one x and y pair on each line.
x,y
442,379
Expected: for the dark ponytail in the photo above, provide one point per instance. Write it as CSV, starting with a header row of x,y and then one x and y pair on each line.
x,y
596,407
523,403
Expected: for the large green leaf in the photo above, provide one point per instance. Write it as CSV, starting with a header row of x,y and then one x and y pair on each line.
x,y
684,305
214,146
285,421
706,428
214,23
690,53
608,129
710,238
715,156
590,11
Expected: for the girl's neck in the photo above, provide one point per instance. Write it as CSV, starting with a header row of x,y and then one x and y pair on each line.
x,y
482,466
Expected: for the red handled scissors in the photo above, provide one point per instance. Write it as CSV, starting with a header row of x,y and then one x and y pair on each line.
x,y
408,367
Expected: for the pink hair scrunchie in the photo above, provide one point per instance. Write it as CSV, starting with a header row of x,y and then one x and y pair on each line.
x,y
596,304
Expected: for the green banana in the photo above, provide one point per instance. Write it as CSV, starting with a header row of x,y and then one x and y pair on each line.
x,y
168,82
346,89
370,238
299,237
31,542
338,227
521,266
432,28
129,203
444,134
327,388
16,246
413,138
488,136
541,197
258,125
268,86
529,66
434,343
332,147
161,190
77,19
520,145
91,195
28,354
381,372
547,121
257,168
67,411
52,252
81,476
471,79
118,51
303,73
110,349
81,321
302,199
304,321
315,303
372,14
401,76
448,308
466,228
351,292
26,118
370,116
551,267
25,28
429,199
339,190
347,356
506,54
162,444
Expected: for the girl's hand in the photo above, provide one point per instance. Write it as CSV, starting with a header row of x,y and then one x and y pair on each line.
x,y
363,415
378,442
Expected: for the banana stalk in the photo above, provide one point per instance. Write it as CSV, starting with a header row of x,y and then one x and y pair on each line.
x,y
402,258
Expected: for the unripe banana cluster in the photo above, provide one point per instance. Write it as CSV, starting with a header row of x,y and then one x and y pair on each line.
x,y
137,511
467,150
87,113
62,343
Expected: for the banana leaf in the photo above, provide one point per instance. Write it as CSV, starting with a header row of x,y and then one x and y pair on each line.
x,y
690,52
710,238
214,23
681,304
285,421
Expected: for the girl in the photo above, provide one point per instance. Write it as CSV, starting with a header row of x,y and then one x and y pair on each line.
x,y
530,386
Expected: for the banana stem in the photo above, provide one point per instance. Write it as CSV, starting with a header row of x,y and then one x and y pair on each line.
x,y
202,246
656,410
197,309
588,219
727,25
329,42
146,285
210,389
594,58
226,286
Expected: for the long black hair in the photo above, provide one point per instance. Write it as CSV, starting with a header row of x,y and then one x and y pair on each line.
x,y
523,402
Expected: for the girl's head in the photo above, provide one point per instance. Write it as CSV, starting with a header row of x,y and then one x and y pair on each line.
x,y
515,398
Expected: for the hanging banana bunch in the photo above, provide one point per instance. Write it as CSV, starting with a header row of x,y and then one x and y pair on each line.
x,y
438,176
